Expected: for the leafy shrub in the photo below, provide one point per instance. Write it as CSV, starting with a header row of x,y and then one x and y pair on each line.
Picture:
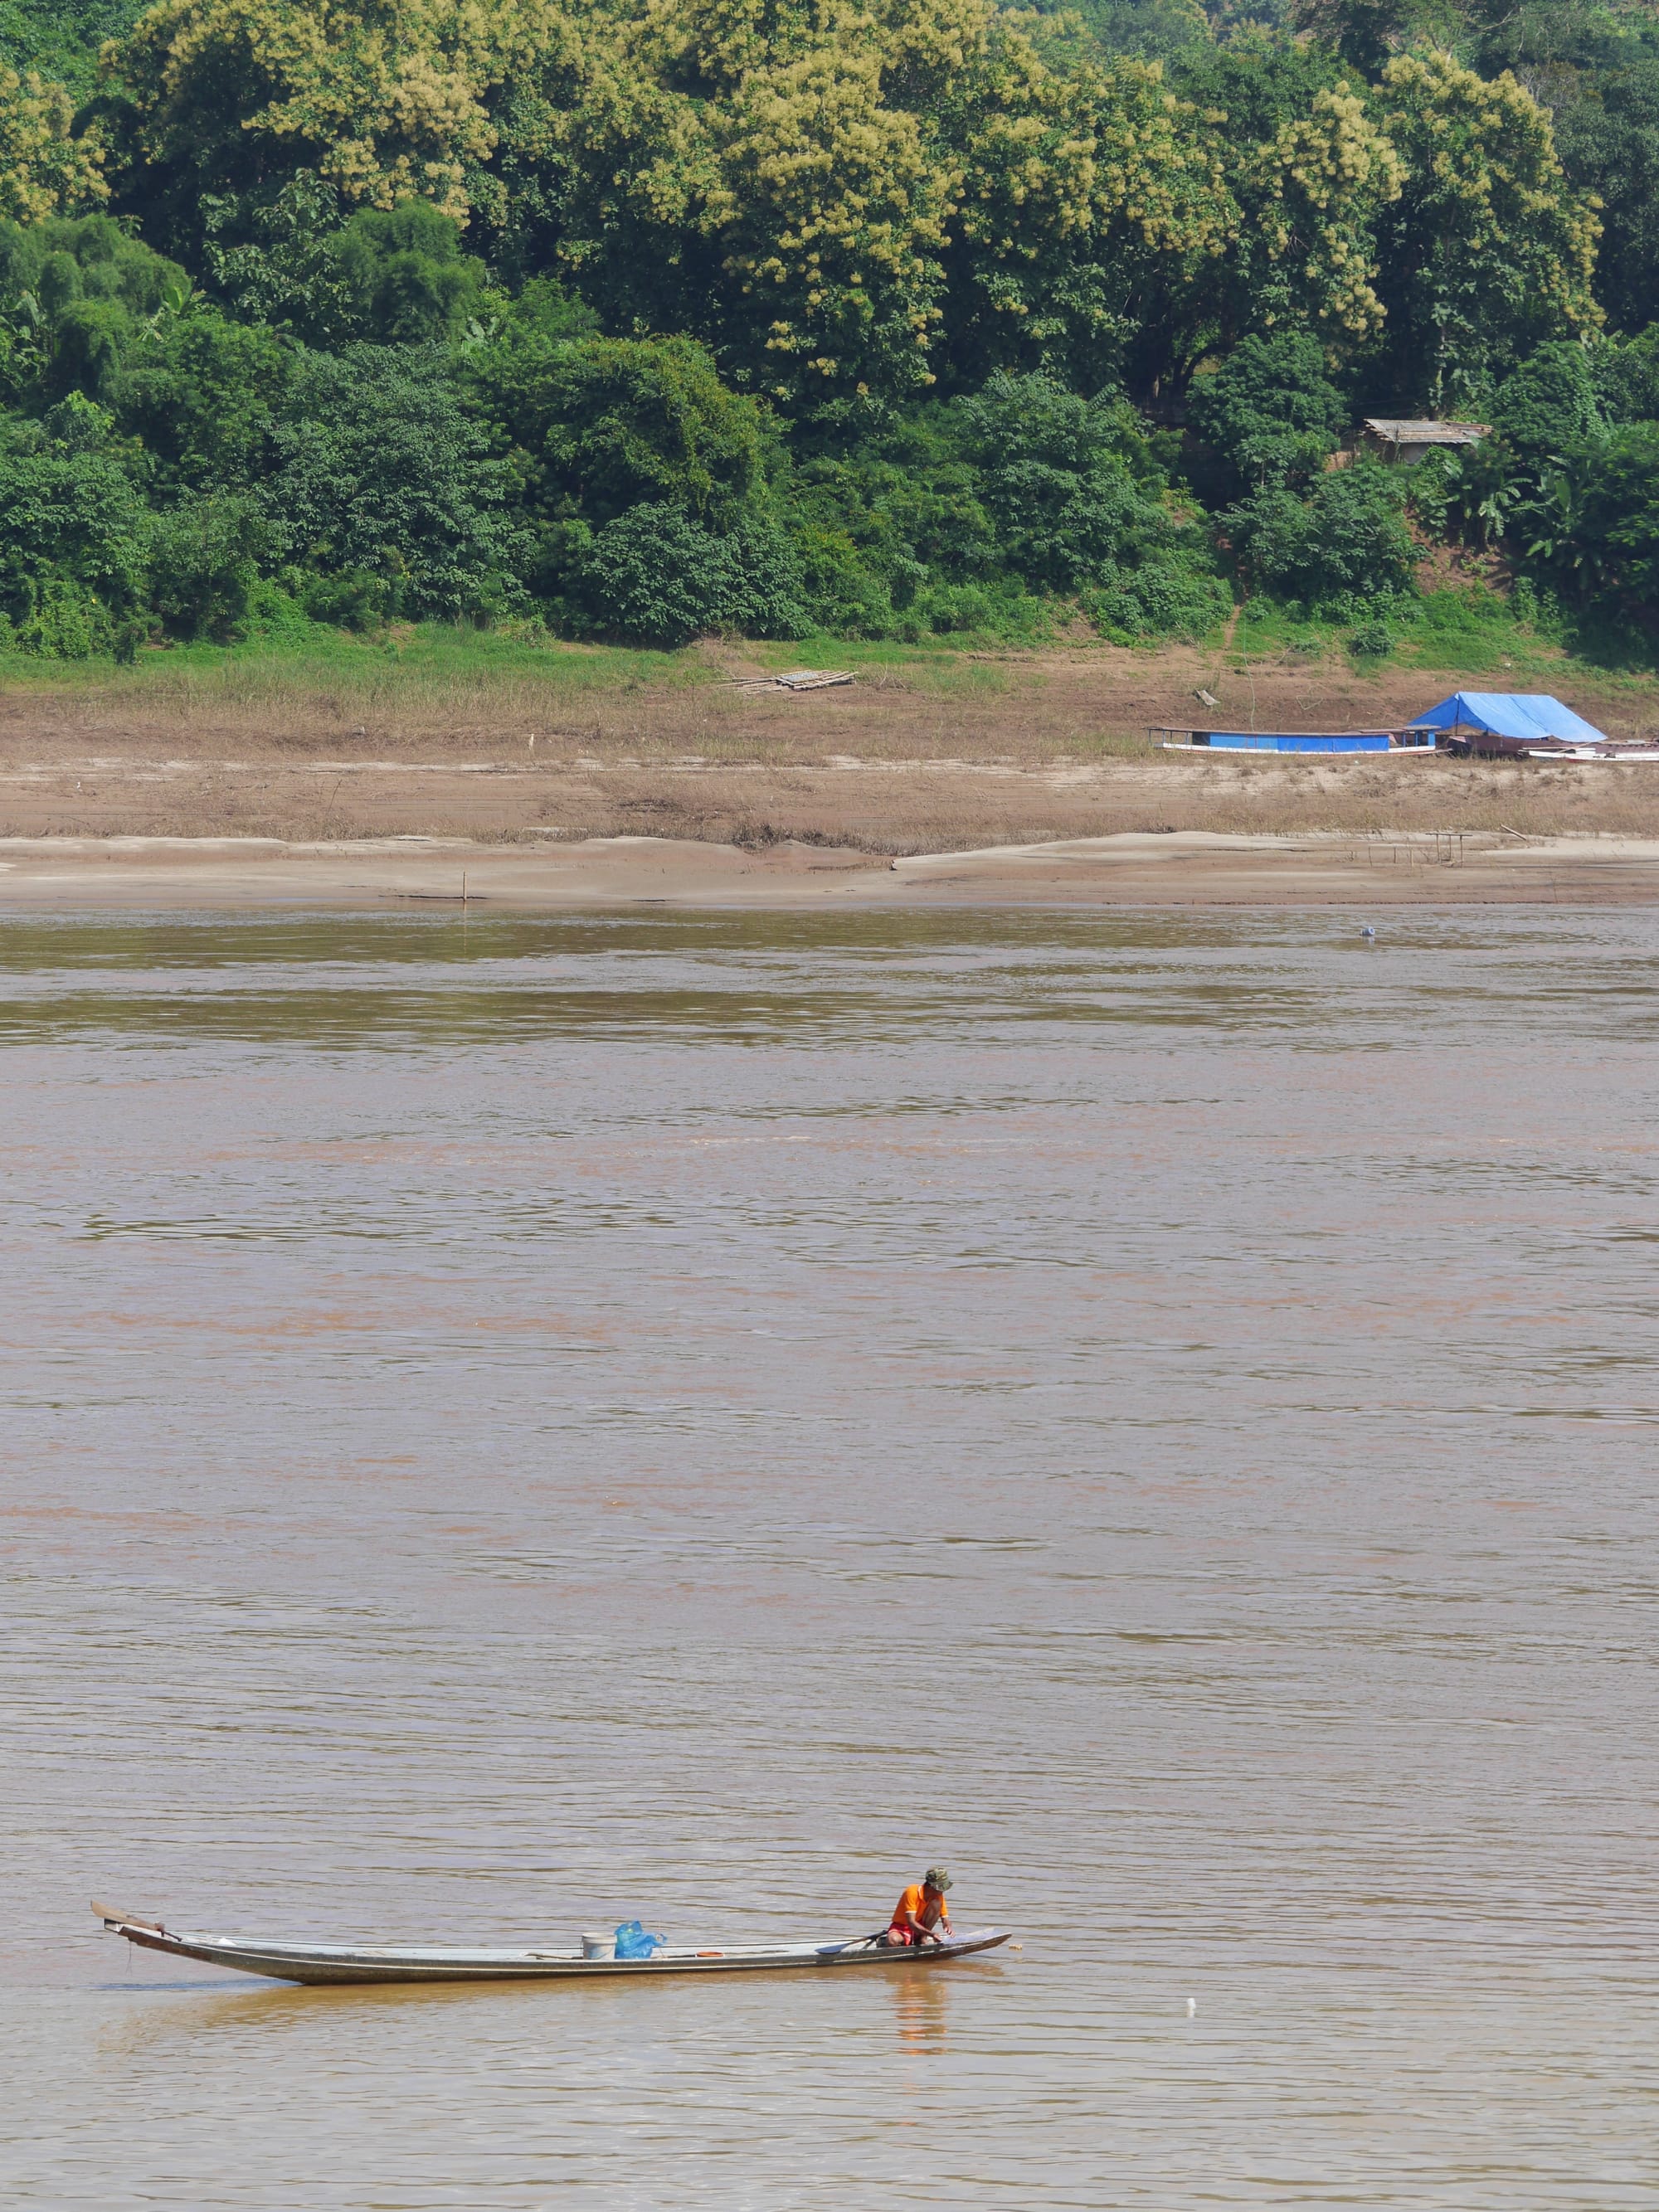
x,y
266,252
1621,511
1167,599
956,519
1468,492
61,620
762,595
606,424
875,530
275,614
379,474
300,258
1000,608
909,515
1270,412
1593,527
202,392
77,425
841,591
1059,532
204,557
1371,640
1023,419
657,576
351,598
1548,403
402,277
1347,542
91,257
1057,474
1627,375
79,294
67,518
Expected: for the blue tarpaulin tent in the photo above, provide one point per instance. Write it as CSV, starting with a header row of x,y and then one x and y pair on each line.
x,y
1531,716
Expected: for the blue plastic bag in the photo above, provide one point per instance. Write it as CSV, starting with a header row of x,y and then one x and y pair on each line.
x,y
633,1941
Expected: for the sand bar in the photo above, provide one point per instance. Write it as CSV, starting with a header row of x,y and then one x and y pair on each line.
x,y
1181,868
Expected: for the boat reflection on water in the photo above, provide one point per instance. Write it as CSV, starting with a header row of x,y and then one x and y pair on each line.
x,y
920,2004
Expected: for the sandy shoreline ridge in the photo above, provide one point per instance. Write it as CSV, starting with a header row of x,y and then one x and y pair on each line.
x,y
1028,780
1135,868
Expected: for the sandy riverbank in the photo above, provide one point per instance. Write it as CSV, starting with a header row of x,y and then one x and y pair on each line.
x,y
883,808
251,785
1196,868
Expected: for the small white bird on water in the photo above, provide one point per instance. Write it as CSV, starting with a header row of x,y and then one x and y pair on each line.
x,y
1192,2008
1369,933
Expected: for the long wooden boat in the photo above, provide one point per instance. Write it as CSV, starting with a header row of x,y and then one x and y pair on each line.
x,y
457,1962
1173,740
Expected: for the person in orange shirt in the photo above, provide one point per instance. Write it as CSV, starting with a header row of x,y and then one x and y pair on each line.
x,y
921,1915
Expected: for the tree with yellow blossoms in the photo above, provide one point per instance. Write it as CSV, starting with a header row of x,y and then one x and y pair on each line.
x,y
756,176
1077,188
43,170
384,100
1305,168
856,200
1486,252
1314,193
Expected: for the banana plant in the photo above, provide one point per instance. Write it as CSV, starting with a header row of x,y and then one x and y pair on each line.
x,y
1480,492
25,341
180,298
1554,529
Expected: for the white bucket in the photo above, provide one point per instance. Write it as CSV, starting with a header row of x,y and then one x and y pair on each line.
x,y
600,1943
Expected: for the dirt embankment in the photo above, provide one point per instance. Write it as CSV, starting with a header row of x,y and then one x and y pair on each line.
x,y
971,755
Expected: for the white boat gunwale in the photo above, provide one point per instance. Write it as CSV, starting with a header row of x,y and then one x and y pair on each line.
x,y
322,1964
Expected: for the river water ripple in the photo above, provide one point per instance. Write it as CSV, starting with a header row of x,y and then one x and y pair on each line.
x,y
514,1425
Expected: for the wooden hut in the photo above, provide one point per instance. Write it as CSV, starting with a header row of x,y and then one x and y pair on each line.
x,y
1406,441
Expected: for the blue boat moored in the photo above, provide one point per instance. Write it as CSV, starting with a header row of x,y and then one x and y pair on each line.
x,y
1252,741
1286,741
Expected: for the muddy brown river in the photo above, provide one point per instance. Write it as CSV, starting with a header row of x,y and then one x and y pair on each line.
x,y
513,1426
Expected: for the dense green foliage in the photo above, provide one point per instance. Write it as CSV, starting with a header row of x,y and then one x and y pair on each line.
x,y
893,320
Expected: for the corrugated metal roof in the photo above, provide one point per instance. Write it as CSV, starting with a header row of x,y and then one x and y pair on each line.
x,y
1401,433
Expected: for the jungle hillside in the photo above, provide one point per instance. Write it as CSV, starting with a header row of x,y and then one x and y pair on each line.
x,y
636,323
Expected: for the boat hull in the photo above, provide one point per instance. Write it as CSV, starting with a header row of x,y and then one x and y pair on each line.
x,y
335,1963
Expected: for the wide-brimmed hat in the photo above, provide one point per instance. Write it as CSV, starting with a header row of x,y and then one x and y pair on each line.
x,y
936,1878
